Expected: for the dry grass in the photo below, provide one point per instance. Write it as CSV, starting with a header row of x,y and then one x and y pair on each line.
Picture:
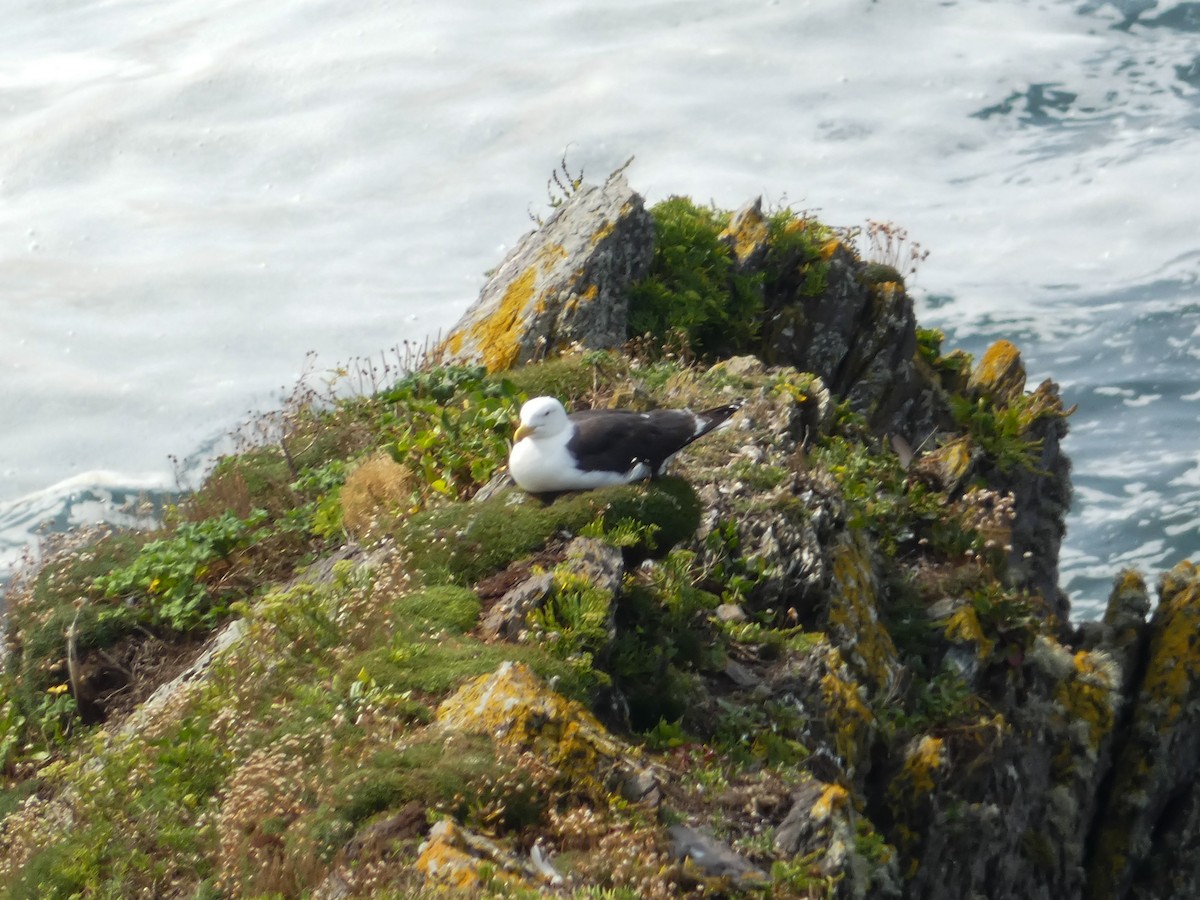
x,y
375,492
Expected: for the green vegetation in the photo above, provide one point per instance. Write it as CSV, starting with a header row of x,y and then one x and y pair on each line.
x,y
796,608
900,511
697,292
164,585
693,288
463,543
450,428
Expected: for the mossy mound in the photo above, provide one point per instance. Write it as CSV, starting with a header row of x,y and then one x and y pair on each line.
x,y
462,543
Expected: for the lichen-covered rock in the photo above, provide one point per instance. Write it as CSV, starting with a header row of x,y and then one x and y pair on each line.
x,y
1121,633
839,725
747,236
860,338
454,857
1042,499
852,615
824,822
506,619
1000,375
1150,815
517,710
1014,443
565,283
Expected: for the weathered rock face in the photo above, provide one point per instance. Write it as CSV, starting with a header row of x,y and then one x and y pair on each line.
x,y
1041,489
565,283
1148,841
859,335
1003,805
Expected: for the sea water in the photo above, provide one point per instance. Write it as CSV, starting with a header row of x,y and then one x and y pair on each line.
x,y
194,196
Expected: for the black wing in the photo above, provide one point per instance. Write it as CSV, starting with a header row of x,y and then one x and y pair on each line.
x,y
614,440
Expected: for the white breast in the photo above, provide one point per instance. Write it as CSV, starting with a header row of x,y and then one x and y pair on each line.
x,y
543,466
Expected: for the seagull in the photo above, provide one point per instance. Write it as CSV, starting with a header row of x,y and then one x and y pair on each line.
x,y
594,448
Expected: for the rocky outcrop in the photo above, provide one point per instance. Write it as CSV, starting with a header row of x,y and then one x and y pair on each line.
x,y
566,283
1013,800
827,656
1148,840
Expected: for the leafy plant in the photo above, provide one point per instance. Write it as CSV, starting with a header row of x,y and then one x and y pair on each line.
x,y
165,584
452,426
12,724
1002,432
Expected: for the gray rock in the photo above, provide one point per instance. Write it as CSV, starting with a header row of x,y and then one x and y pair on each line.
x,y
565,283
730,612
860,338
601,564
712,856
506,618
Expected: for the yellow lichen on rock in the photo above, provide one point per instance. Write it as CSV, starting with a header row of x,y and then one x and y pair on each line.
x,y
853,614
747,233
518,711
1159,753
1000,374
832,798
949,464
1091,695
964,627
831,247
847,717
923,762
455,858
497,336
604,231
1173,671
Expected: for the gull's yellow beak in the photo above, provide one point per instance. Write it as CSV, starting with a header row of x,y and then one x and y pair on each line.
x,y
523,431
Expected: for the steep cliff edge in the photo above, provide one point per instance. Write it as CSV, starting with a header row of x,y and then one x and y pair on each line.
x,y
827,656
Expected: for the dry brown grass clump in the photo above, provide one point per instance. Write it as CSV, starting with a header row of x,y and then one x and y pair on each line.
x,y
374,493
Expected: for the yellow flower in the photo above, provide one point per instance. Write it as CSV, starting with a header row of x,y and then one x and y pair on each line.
x,y
57,690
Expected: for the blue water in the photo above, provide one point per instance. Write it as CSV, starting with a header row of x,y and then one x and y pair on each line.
x,y
192,197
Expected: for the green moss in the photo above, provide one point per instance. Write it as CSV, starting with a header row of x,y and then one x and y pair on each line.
x,y
446,605
411,663
874,273
756,476
435,773
464,542
569,376
692,287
